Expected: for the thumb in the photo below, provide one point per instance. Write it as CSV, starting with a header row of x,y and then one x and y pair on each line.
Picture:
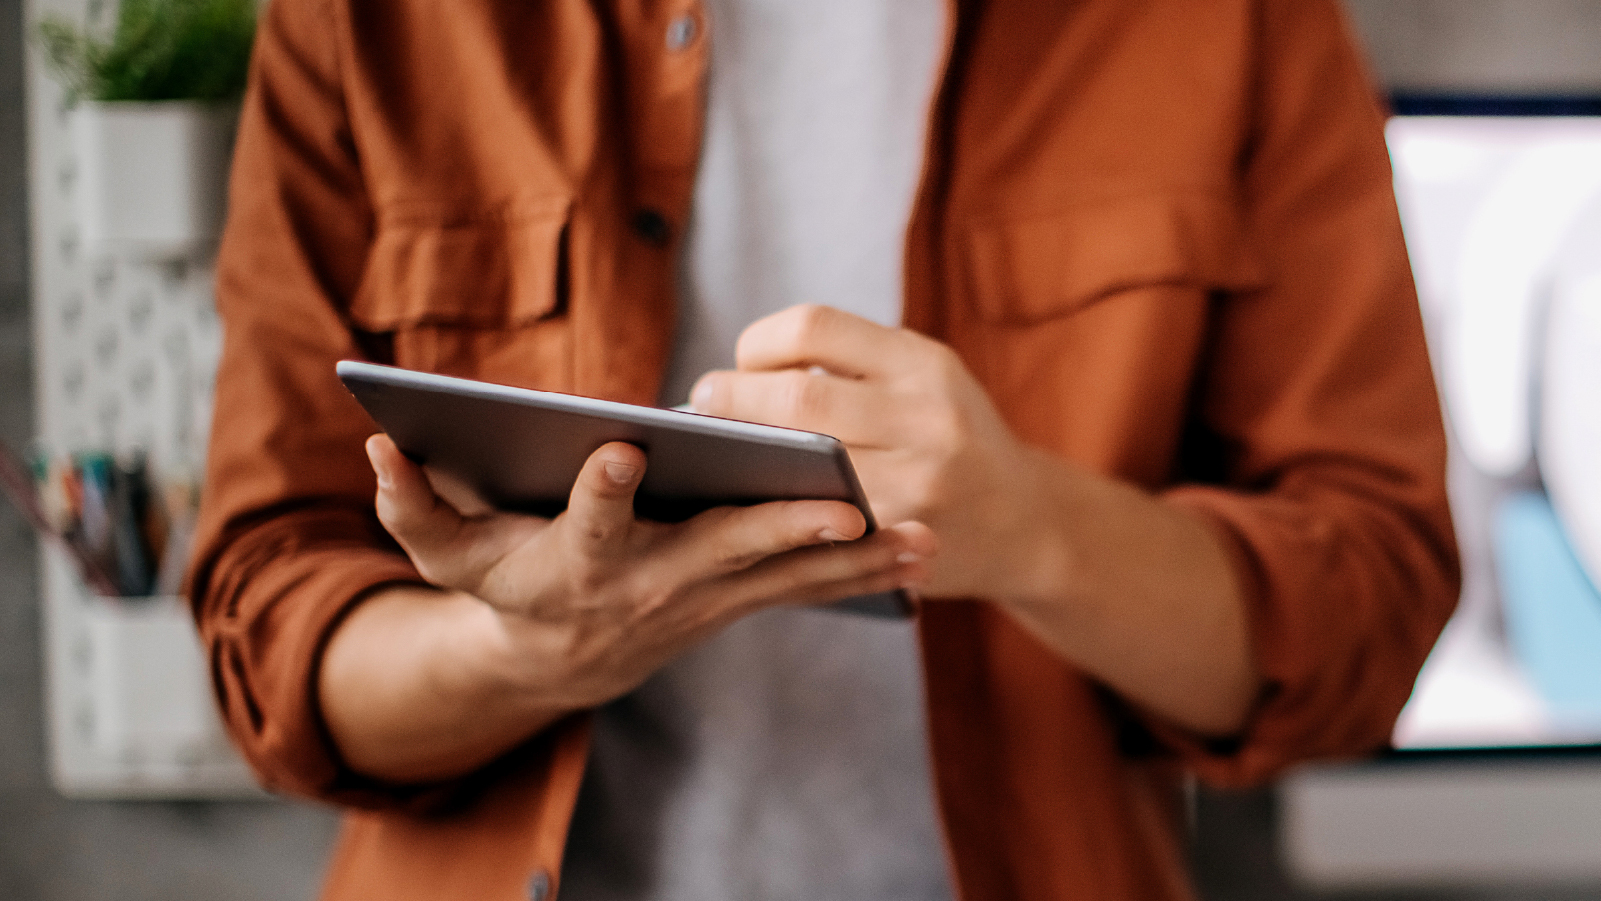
x,y
600,510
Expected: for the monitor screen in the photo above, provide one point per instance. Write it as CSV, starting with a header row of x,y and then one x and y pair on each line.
x,y
1502,215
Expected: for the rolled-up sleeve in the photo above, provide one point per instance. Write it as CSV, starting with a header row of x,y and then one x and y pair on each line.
x,y
287,538
1319,406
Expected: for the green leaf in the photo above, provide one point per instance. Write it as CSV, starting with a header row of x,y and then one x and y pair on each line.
x,y
158,50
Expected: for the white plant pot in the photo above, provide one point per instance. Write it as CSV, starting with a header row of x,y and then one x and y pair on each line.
x,y
153,177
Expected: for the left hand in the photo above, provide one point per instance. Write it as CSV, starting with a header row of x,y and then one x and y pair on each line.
x,y
925,439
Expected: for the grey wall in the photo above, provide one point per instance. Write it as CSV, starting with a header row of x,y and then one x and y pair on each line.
x,y
53,849
13,184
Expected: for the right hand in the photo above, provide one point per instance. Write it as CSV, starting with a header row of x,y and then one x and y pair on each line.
x,y
592,602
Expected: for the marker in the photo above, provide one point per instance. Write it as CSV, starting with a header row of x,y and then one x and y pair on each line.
x,y
14,479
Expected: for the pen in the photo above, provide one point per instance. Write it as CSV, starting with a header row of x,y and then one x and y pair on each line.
x,y
19,486
179,501
94,520
125,512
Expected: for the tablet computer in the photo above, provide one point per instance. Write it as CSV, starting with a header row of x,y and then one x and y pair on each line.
x,y
521,450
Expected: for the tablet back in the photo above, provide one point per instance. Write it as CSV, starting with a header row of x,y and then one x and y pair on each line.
x,y
522,450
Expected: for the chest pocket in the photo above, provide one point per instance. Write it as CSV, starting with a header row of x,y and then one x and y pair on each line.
x,y
1034,268
480,299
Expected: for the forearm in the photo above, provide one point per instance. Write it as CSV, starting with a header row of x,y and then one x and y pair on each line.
x,y
1138,593
419,684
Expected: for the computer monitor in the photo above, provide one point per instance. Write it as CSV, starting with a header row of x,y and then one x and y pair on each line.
x,y
1496,772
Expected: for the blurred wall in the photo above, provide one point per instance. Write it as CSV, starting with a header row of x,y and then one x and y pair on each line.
x,y
53,850
13,185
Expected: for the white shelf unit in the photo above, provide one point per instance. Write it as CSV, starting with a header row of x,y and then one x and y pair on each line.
x,y
125,356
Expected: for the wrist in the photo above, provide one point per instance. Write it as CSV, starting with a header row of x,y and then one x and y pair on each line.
x,y
519,664
476,656
1035,551
417,685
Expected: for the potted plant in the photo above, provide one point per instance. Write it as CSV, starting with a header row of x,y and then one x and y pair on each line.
x,y
153,108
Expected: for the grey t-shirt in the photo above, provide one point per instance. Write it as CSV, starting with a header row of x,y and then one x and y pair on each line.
x,y
786,758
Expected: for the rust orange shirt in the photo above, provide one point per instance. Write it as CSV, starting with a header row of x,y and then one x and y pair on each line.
x,y
1160,232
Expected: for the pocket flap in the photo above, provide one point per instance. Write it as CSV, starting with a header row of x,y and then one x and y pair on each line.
x,y
479,274
1036,267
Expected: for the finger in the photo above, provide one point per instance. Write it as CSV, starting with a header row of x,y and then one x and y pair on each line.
x,y
407,506
898,557
902,577
859,413
600,510
448,548
813,335
458,493
728,539
692,557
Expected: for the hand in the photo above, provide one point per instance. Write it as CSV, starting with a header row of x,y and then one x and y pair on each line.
x,y
1139,594
594,601
924,438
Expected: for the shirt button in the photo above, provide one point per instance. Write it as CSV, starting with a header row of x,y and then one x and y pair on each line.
x,y
652,227
539,886
681,32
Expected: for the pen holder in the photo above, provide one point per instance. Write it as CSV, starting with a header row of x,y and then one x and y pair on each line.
x,y
131,715
146,682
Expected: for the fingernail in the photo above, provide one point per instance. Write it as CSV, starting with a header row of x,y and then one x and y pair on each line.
x,y
384,481
701,396
621,473
831,535
908,557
